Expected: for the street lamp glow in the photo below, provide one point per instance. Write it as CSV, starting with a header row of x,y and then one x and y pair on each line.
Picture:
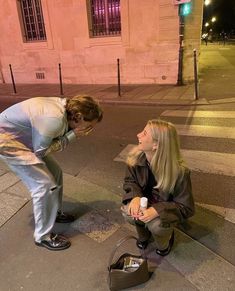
x,y
206,24
213,19
207,2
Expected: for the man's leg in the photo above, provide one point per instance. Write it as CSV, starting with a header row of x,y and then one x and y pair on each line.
x,y
45,197
57,173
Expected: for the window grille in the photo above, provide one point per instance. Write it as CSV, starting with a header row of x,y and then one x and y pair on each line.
x,y
40,75
105,17
32,16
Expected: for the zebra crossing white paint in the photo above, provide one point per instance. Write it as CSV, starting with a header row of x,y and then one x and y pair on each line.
x,y
225,212
200,161
210,162
201,114
121,157
206,131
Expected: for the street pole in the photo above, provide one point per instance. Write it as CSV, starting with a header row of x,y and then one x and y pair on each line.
x,y
118,76
195,74
181,50
60,78
12,79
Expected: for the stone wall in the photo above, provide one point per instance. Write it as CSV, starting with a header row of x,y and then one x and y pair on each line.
x,y
147,48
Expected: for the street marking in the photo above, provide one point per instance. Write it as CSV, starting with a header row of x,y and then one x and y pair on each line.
x,y
227,213
204,114
121,157
206,131
199,161
210,162
224,100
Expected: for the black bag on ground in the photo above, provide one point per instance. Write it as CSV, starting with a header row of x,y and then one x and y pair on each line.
x,y
128,270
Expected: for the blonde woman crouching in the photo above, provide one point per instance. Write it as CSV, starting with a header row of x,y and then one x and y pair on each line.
x,y
155,170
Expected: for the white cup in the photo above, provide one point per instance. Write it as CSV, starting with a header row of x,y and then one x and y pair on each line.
x,y
143,202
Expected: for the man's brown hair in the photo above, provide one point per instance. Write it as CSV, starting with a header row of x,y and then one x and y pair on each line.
x,y
85,107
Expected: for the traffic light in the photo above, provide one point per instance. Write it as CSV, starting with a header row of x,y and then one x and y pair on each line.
x,y
185,9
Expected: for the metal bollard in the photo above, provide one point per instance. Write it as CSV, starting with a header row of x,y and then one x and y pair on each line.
x,y
13,81
195,74
61,84
118,76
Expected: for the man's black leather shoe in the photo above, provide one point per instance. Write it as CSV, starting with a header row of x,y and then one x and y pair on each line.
x,y
64,217
55,242
142,244
168,249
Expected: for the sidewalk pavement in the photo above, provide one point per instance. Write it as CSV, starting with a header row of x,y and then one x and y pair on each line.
x,y
216,72
195,262
108,94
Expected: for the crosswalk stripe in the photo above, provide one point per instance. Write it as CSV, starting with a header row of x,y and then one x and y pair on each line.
x,y
206,131
200,161
210,162
227,213
197,113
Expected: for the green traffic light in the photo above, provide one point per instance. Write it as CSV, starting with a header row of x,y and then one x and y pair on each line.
x,y
185,9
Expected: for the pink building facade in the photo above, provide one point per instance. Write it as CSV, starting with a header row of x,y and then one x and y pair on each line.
x,y
87,37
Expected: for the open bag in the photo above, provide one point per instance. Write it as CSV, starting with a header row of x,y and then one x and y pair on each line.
x,y
128,270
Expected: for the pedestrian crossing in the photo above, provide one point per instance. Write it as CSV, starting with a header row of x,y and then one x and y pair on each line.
x,y
206,161
210,161
198,113
199,161
202,161
206,131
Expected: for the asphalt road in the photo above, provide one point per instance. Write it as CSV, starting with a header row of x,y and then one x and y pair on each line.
x,y
217,67
93,155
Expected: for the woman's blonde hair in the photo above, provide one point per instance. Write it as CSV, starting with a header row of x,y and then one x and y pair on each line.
x,y
85,107
167,164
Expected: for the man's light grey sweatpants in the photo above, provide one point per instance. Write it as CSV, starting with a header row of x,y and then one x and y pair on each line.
x,y
45,183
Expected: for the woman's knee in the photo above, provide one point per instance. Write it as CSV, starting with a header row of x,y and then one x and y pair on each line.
x,y
156,228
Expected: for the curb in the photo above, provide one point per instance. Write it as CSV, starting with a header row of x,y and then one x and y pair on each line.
x,y
143,102
153,103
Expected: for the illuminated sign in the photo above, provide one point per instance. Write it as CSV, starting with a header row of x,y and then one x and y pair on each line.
x,y
178,2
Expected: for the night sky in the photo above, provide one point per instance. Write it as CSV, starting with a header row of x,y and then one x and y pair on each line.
x,y
224,11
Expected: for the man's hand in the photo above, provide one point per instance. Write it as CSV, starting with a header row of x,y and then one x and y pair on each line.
x,y
82,131
134,207
148,214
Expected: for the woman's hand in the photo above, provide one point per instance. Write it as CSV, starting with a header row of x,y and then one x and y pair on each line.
x,y
148,214
134,207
